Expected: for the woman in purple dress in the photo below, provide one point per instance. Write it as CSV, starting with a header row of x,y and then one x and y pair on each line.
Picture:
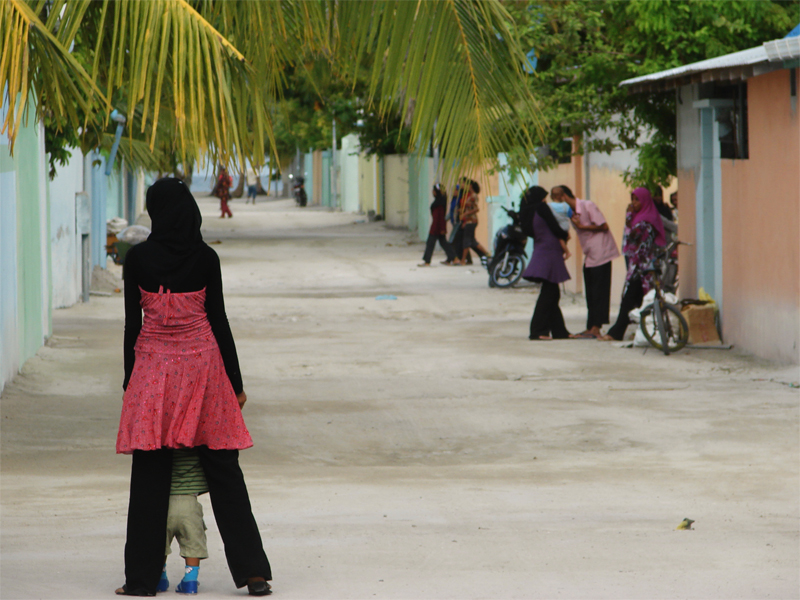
x,y
546,266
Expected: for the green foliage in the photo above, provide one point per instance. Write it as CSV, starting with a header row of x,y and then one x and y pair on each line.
x,y
586,48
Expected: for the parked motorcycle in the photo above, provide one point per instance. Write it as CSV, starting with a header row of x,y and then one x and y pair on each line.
x,y
300,197
509,256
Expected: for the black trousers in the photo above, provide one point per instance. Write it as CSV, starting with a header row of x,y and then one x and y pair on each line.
x,y
151,478
547,318
458,242
631,299
431,244
597,281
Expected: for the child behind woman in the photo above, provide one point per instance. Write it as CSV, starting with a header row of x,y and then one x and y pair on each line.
x,y
185,519
563,214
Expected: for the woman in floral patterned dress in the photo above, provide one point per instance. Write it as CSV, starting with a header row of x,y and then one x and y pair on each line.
x,y
641,245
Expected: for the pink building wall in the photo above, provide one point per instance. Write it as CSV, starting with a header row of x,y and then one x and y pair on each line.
x,y
761,227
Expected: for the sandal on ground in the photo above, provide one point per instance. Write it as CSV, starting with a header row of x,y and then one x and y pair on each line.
x,y
124,591
259,588
606,338
583,336
541,338
424,264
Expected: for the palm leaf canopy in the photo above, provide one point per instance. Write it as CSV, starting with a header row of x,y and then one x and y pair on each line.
x,y
213,70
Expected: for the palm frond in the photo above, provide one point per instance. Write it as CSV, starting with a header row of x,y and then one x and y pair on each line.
x,y
213,70
37,63
453,63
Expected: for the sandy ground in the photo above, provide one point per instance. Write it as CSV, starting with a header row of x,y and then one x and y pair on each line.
x,y
419,448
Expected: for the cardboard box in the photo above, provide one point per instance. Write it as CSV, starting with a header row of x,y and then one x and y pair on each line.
x,y
702,325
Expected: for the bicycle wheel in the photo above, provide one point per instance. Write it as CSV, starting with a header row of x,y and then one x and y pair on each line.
x,y
675,327
658,313
506,273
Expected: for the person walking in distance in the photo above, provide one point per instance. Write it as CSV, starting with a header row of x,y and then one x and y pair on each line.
x,y
599,250
183,389
222,190
438,230
469,221
252,185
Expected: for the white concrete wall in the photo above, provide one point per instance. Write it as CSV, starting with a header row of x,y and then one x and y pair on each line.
x,y
349,175
64,237
396,190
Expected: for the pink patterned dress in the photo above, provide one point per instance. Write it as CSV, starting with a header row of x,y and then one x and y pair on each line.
x,y
179,395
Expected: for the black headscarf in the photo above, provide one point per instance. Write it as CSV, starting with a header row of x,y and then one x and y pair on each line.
x,y
439,197
531,198
176,225
533,203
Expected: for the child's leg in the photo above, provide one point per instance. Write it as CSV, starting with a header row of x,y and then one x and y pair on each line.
x,y
188,584
192,539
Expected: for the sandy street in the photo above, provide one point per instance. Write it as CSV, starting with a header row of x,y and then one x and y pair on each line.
x,y
419,448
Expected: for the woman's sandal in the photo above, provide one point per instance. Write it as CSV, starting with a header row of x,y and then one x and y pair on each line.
x,y
123,591
259,588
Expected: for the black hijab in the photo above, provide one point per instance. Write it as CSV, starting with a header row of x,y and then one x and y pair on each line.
x,y
439,197
533,203
176,225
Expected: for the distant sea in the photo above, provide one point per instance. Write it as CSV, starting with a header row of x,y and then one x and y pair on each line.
x,y
202,184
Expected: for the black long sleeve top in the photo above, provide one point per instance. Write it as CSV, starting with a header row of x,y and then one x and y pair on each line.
x,y
141,270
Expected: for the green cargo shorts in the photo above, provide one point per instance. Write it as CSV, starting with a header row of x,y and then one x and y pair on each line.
x,y
185,522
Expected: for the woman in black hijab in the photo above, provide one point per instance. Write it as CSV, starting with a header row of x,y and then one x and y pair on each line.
x,y
546,266
183,389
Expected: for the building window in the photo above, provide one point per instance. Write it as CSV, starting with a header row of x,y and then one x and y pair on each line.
x,y
733,134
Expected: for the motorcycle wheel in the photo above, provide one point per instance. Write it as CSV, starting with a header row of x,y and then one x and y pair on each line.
x,y
506,273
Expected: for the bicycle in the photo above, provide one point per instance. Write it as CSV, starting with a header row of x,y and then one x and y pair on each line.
x,y
662,323
668,259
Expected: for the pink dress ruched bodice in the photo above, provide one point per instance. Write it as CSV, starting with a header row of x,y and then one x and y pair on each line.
x,y
179,395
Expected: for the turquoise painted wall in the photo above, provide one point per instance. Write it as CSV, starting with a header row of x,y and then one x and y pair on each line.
x,y
509,195
326,178
25,305
9,348
99,195
419,191
308,174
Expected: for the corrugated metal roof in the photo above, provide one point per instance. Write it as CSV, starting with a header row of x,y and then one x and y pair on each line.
x,y
786,49
738,65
